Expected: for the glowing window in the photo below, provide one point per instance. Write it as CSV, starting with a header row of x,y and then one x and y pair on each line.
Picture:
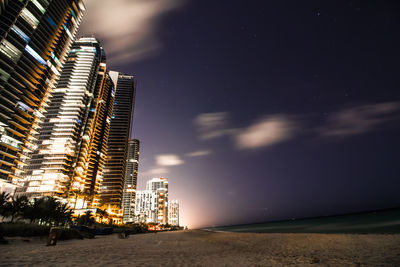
x,y
29,17
39,6
20,33
35,55
10,50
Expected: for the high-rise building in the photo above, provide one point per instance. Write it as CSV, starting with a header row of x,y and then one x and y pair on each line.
x,y
35,37
114,172
146,206
152,203
71,149
157,183
132,166
173,212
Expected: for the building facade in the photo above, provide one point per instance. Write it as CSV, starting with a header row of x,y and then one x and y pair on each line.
x,y
71,149
173,212
152,203
146,206
115,169
132,167
35,37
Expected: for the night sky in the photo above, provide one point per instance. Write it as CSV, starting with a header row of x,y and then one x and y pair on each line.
x,y
261,110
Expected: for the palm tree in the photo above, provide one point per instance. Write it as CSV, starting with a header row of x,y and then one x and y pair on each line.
x,y
17,206
4,198
102,214
86,218
34,210
63,213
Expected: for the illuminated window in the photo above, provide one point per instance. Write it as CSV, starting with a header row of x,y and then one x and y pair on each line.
x,y
50,21
29,17
68,32
39,6
20,33
9,50
35,55
4,75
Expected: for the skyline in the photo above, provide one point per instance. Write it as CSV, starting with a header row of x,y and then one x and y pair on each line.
x,y
293,95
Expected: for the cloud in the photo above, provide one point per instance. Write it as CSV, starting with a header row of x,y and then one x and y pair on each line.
x,y
155,171
266,132
278,128
199,153
212,125
168,160
359,119
128,29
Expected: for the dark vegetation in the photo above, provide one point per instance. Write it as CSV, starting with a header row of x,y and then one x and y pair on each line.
x,y
20,217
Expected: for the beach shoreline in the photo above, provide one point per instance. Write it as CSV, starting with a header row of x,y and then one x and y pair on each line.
x,y
209,248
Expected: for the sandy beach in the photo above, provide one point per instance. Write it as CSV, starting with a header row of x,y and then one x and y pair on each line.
x,y
204,248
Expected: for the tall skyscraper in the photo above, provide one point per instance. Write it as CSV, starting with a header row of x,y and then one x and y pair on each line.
x,y
132,166
114,172
152,203
71,150
34,38
173,212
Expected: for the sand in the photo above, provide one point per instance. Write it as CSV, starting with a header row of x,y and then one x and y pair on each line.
x,y
203,248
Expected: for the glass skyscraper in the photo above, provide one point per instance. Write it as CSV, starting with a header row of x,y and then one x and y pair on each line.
x,y
111,191
132,166
35,36
71,152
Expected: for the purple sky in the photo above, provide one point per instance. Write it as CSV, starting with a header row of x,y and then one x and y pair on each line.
x,y
261,110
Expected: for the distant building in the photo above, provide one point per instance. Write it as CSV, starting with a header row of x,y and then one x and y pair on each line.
x,y
71,149
34,39
114,173
152,203
132,166
157,183
173,212
146,206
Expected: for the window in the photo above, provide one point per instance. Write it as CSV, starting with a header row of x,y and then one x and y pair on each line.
x,y
20,33
39,6
10,50
50,21
29,17
35,55
4,75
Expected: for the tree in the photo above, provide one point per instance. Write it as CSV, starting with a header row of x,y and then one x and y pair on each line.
x,y
4,198
102,214
63,214
17,206
33,210
86,218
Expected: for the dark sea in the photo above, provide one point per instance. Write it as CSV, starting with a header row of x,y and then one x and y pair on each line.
x,y
375,222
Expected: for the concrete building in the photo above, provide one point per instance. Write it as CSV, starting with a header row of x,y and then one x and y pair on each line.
x,y
35,37
173,212
152,203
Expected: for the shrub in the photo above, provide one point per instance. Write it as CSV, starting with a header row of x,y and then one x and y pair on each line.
x,y
25,230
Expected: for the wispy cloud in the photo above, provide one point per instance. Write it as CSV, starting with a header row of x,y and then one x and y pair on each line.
x,y
127,28
155,171
168,160
199,153
278,128
359,119
212,125
266,132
